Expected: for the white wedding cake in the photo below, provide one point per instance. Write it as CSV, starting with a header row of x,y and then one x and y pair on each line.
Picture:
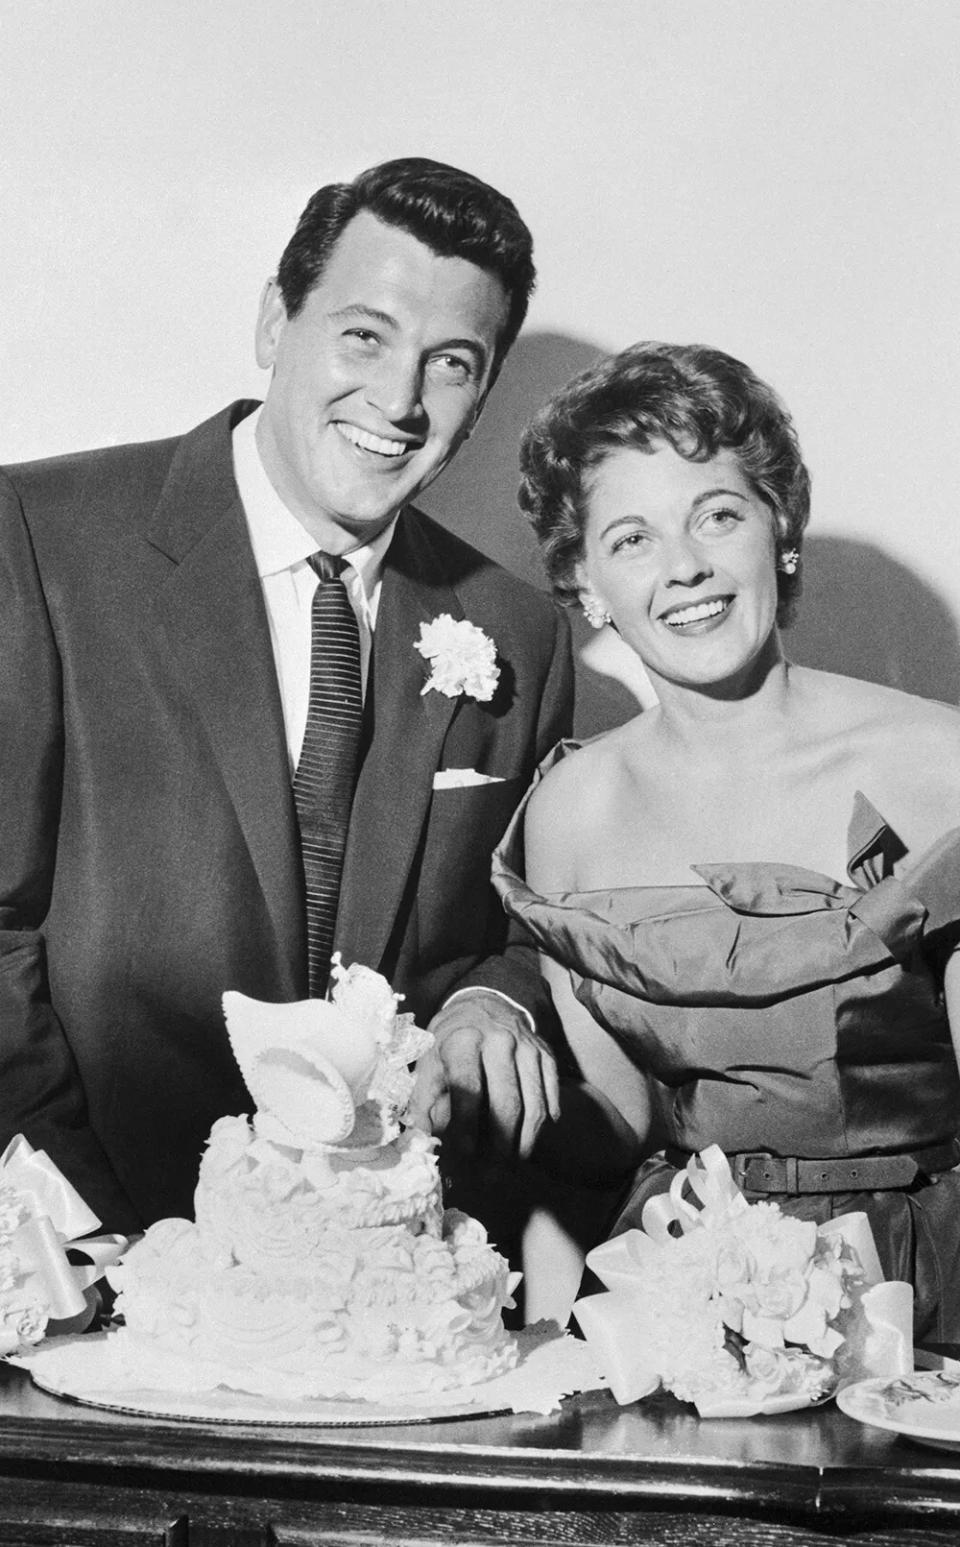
x,y
321,1263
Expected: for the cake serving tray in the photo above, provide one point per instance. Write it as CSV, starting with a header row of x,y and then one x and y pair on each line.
x,y
86,1370
222,1406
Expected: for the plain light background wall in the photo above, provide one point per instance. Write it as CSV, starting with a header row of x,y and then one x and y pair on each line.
x,y
776,177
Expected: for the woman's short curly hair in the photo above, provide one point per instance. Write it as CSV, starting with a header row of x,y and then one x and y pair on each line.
x,y
700,401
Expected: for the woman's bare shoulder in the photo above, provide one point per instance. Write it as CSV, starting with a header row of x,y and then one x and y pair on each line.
x,y
871,708
564,808
574,772
903,752
905,726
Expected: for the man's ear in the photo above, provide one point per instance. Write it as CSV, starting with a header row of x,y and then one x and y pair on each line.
x,y
271,321
494,374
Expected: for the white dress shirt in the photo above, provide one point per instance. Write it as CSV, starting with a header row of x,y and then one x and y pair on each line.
x,y
281,547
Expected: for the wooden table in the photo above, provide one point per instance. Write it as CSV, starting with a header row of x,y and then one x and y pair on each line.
x,y
593,1473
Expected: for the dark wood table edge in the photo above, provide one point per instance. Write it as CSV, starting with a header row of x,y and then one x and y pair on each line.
x,y
206,1457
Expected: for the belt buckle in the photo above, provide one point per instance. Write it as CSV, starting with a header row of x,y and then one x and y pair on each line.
x,y
753,1171
759,1171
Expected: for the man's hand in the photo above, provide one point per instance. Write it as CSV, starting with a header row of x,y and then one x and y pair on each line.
x,y
488,1080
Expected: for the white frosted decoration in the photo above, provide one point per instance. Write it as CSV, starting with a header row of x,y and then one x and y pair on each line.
x,y
314,1028
323,1070
301,1100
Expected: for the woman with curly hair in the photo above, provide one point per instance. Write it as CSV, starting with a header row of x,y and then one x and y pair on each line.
x,y
752,886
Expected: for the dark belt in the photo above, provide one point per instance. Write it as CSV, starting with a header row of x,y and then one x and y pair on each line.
x,y
756,1171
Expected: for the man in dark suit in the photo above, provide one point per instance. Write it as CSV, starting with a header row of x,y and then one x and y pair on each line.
x,y
155,656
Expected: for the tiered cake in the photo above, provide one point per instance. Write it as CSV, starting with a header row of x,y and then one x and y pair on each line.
x,y
322,1263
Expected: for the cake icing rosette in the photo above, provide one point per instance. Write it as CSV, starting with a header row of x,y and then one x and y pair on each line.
x,y
738,1307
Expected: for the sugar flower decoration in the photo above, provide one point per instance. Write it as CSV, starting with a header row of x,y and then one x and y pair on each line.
x,y
462,659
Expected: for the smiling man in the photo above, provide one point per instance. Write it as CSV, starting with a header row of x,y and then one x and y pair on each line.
x,y
379,374
222,754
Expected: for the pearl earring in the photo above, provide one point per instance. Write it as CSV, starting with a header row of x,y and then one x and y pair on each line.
x,y
593,611
789,561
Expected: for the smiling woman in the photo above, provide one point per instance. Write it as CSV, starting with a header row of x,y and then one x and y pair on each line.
x,y
681,555
756,903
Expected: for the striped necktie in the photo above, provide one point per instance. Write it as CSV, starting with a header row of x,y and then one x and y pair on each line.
x,y
326,773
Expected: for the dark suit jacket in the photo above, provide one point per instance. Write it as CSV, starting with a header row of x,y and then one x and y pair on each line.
x,y
149,857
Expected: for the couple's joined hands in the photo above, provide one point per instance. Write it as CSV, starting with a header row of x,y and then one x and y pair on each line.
x,y
489,1082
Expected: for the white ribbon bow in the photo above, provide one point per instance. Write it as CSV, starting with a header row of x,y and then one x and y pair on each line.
x,y
59,1218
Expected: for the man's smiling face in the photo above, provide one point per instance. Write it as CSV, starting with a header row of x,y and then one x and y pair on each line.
x,y
377,379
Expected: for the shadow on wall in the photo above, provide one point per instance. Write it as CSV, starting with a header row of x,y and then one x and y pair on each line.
x,y
862,613
866,615
477,495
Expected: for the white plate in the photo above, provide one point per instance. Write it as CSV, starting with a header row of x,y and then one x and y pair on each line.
x,y
923,1406
759,1407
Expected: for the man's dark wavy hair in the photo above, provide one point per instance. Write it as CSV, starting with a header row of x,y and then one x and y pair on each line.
x,y
451,212
700,401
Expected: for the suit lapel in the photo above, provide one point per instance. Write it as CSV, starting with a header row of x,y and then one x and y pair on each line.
x,y
212,615
396,781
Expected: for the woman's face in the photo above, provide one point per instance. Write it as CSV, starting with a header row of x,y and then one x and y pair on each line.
x,y
682,555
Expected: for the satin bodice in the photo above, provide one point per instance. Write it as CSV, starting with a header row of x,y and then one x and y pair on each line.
x,y
781,1009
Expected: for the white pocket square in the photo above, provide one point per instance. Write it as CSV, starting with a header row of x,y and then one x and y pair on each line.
x,y
460,778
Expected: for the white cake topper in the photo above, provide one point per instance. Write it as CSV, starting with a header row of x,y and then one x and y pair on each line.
x,y
323,1071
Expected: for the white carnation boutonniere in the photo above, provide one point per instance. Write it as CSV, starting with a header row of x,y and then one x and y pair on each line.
x,y
462,659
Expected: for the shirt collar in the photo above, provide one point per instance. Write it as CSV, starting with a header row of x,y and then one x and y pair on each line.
x,y
278,540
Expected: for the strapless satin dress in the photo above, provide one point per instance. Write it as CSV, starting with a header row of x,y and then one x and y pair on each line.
x,y
786,1012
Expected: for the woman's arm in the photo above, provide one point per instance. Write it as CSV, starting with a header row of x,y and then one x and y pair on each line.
x,y
609,1120
608,1117
607,1125
951,994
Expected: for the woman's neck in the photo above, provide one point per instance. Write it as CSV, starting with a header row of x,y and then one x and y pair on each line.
x,y
755,708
